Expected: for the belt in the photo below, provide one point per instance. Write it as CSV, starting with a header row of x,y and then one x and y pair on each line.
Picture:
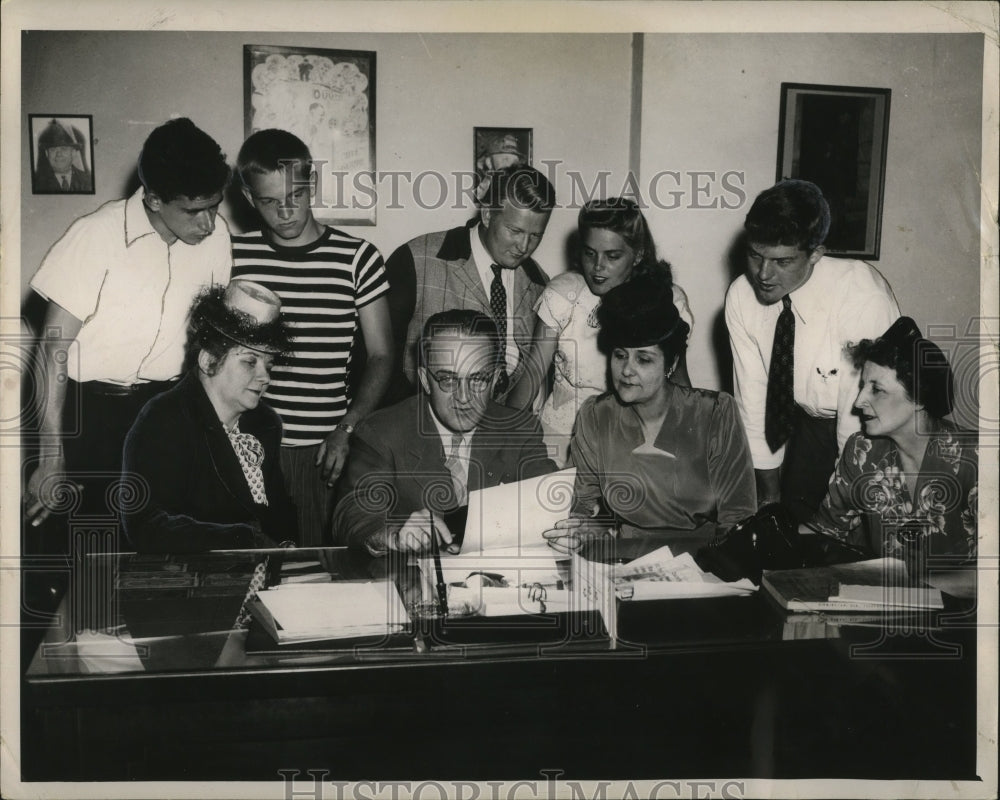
x,y
105,389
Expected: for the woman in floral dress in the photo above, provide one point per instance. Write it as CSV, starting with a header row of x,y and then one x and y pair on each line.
x,y
906,484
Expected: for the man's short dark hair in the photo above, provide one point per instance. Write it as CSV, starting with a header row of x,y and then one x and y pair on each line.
x,y
178,158
268,151
460,322
523,187
791,213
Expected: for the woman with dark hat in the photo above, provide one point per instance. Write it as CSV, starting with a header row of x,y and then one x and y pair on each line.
x,y
659,461
201,467
906,483
615,246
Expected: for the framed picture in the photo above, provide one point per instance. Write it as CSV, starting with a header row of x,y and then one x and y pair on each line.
x,y
836,137
327,99
496,148
62,153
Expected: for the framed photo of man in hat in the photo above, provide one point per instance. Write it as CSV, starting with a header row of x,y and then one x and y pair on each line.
x,y
62,153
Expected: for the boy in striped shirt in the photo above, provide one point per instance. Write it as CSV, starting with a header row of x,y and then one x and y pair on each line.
x,y
330,285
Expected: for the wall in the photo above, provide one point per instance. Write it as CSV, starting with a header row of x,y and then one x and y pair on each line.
x,y
711,102
432,89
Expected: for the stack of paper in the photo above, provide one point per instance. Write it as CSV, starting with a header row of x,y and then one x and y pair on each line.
x,y
316,611
660,574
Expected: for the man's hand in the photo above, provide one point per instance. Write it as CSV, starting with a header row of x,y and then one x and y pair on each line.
x,y
45,486
569,535
332,455
415,536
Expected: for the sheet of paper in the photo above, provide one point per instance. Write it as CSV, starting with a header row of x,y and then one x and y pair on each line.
x,y
682,568
516,514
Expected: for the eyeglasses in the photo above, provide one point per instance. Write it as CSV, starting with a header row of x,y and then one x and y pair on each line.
x,y
476,382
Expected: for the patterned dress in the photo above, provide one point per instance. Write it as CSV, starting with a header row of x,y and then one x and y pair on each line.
x,y
869,503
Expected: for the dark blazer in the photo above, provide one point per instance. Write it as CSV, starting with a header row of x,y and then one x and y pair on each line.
x,y
436,272
46,181
189,492
397,467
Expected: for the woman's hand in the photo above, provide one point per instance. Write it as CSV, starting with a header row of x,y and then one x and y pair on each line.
x,y
569,535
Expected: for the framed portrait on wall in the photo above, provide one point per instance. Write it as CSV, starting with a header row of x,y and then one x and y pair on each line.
x,y
837,137
62,153
327,99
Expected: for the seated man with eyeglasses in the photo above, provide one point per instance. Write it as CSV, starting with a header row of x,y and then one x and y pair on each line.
x,y
414,463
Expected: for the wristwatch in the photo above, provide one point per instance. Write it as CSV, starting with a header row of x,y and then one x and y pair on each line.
x,y
343,426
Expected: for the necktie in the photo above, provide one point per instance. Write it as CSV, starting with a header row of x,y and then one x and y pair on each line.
x,y
64,182
779,413
498,305
454,465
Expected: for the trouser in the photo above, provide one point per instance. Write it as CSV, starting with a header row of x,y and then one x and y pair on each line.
x,y
313,500
810,459
96,419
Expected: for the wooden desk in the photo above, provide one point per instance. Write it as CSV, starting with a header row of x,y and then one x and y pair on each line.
x,y
701,688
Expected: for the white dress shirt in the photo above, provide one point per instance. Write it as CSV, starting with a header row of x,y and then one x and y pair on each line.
x,y
447,439
130,289
484,263
843,302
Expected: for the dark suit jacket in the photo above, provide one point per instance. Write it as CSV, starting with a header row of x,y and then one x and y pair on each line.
x,y
436,272
397,467
190,492
46,181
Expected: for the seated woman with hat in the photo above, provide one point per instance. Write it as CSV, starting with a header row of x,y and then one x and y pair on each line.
x,y
656,462
906,484
202,459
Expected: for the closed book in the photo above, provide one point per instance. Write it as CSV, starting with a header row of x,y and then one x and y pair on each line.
x,y
820,588
319,611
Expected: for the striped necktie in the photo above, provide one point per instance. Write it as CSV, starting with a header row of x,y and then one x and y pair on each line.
x,y
458,479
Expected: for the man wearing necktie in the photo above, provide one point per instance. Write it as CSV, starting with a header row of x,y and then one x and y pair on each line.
x,y
789,318
413,464
62,166
485,266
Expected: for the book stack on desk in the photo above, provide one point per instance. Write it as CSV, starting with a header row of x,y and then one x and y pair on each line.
x,y
296,614
878,585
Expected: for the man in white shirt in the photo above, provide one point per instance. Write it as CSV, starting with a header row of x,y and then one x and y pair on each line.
x,y
413,464
119,285
485,265
789,318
